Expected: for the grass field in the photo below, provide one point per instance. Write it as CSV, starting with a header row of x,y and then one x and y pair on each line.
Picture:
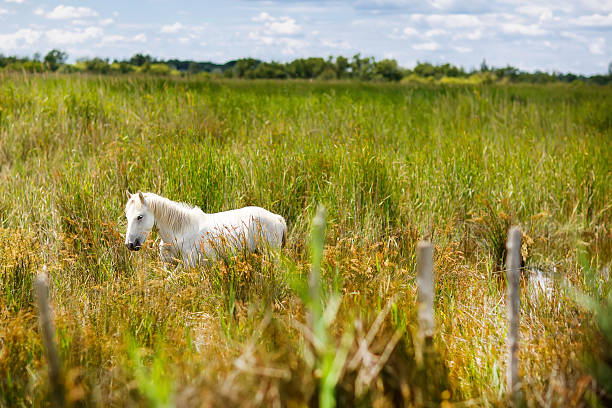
x,y
391,163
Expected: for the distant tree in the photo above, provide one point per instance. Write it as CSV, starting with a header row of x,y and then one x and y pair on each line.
x,y
362,68
306,68
54,59
245,66
388,69
139,59
569,77
509,72
483,66
600,79
424,69
193,68
358,67
270,70
355,65
342,65
159,69
328,74
449,70
124,67
97,65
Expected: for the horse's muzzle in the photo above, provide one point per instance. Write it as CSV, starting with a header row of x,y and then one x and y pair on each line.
x,y
133,247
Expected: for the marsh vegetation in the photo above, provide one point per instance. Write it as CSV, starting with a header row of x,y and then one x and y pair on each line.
x,y
391,163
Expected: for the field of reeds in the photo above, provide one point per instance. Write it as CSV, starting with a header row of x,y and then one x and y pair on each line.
x,y
390,163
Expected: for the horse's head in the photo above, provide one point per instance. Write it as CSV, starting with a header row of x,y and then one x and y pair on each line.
x,y
140,221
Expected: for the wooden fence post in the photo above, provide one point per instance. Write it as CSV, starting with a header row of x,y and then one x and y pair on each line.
x,y
41,289
424,340
513,273
425,295
425,292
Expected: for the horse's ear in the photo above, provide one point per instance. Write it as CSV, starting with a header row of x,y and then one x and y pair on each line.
x,y
142,199
128,194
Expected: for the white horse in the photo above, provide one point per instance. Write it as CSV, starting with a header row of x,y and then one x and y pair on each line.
x,y
190,235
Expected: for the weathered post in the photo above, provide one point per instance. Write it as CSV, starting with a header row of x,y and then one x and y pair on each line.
x,y
41,289
513,273
424,340
425,290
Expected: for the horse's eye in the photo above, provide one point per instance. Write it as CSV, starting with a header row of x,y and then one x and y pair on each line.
x,y
139,217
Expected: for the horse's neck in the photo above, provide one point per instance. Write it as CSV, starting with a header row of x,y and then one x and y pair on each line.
x,y
172,219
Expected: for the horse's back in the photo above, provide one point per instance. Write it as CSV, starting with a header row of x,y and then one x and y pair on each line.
x,y
255,222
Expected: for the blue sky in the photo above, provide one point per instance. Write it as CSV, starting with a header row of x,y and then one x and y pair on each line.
x,y
560,35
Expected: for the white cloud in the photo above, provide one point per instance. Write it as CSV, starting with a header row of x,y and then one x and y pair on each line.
x,y
533,10
338,45
15,40
541,12
172,28
266,40
434,33
290,45
188,38
106,21
453,20
595,20
3,11
113,39
285,25
462,49
546,16
15,1
597,47
263,16
573,36
598,5
66,37
39,11
428,46
277,25
62,12
441,4
178,27
110,39
409,31
279,32
517,28
474,35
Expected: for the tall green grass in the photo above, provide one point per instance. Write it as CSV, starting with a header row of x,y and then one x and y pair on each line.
x,y
391,163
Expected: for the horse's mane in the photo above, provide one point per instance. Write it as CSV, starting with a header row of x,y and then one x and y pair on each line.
x,y
172,214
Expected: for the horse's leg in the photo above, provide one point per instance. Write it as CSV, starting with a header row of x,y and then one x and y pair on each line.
x,y
166,254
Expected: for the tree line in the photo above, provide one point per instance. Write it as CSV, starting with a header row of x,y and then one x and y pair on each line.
x,y
331,68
